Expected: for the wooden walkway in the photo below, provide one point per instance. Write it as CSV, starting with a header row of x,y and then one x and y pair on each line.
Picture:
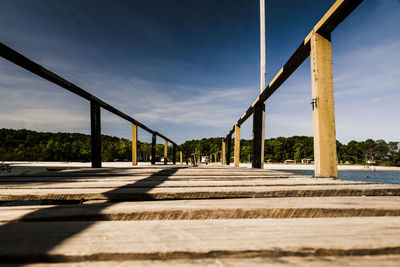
x,y
184,216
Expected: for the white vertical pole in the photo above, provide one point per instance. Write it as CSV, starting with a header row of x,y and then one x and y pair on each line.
x,y
259,110
262,46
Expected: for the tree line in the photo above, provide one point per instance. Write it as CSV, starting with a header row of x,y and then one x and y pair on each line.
x,y
26,145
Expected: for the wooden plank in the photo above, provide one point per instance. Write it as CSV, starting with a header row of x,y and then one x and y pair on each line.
x,y
172,182
128,240
311,261
334,16
306,207
127,193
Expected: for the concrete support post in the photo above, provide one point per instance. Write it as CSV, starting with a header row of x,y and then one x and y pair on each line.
x,y
95,126
165,152
153,149
180,157
134,144
237,146
174,154
223,152
228,149
258,137
325,157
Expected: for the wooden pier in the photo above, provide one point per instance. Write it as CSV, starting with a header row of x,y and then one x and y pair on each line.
x,y
173,215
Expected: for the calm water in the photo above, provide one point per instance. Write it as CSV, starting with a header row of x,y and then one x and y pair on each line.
x,y
385,177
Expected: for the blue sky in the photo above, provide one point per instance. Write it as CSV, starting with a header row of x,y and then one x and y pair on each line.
x,y
189,69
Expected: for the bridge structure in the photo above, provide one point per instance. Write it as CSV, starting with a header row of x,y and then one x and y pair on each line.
x,y
204,215
318,46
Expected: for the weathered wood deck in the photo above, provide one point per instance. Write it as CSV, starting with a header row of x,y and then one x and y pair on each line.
x,y
173,215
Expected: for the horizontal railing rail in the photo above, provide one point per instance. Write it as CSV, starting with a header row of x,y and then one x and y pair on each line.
x,y
31,66
332,18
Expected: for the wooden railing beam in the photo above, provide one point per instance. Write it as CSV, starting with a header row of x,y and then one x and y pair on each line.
x,y
333,17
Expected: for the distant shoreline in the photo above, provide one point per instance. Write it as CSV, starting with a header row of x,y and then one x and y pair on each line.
x,y
275,166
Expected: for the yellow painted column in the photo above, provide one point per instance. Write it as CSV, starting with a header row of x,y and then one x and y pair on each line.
x,y
237,146
180,157
223,152
165,152
325,157
134,144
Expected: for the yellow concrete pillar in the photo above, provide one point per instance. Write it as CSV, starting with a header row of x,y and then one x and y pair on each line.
x,y
237,146
223,152
180,157
325,157
134,144
165,151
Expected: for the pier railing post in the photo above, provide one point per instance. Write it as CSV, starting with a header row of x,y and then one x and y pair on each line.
x,y
134,144
153,149
165,152
180,157
258,136
237,146
174,154
95,126
228,149
325,157
223,154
